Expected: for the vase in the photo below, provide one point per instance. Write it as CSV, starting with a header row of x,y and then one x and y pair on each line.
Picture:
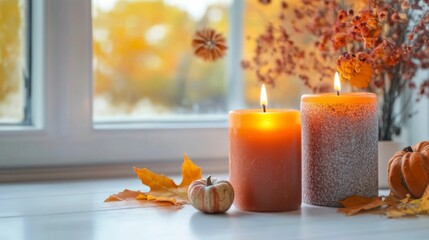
x,y
386,150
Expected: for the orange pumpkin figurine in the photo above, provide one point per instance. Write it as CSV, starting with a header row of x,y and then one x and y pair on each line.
x,y
211,196
408,171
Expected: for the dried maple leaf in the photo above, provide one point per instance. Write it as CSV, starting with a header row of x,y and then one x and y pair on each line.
x,y
124,195
396,207
407,206
162,188
411,207
355,204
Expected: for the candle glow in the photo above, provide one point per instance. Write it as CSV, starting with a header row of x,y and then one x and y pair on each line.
x,y
263,98
337,82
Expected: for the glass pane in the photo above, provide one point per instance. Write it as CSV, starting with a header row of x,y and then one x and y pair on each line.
x,y
287,91
12,61
143,63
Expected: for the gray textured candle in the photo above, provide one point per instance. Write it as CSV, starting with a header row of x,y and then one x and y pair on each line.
x,y
339,147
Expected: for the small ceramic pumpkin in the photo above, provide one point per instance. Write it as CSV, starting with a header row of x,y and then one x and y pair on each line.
x,y
211,196
408,171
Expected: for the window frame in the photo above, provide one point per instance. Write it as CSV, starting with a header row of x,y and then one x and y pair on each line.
x,y
63,133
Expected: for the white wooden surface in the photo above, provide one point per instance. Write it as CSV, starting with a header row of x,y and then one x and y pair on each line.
x,y
75,210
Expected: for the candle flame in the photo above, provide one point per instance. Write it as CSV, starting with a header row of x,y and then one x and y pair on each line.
x,y
263,99
337,82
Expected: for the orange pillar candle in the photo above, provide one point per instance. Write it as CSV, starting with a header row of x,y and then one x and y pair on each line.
x,y
339,146
265,159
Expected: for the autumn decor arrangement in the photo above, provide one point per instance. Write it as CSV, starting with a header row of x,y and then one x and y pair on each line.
x,y
377,45
207,195
211,195
409,184
162,188
390,206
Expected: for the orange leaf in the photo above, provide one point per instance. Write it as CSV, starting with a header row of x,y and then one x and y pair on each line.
x,y
162,188
355,204
124,195
190,172
141,196
162,199
149,197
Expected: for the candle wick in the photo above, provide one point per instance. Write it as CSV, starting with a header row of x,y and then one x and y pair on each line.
x,y
338,93
264,108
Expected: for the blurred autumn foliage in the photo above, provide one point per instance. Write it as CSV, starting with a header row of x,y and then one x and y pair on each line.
x,y
143,60
11,60
288,93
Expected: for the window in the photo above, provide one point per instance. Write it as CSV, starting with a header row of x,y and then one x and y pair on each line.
x,y
144,67
14,67
62,131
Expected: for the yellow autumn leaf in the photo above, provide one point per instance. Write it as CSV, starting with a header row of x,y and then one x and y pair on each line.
x,y
410,209
396,207
408,206
190,172
424,205
162,188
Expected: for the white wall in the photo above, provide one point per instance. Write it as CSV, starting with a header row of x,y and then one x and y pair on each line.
x,y
418,126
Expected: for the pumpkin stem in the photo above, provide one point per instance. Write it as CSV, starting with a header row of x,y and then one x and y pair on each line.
x,y
408,149
209,181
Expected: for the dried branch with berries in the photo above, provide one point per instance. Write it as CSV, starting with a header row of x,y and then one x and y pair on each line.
x,y
377,45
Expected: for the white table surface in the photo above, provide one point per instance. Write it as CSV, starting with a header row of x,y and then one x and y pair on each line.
x,y
75,210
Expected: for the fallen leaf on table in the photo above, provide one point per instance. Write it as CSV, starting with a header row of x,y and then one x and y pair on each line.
x,y
391,206
409,206
162,188
413,207
355,204
124,195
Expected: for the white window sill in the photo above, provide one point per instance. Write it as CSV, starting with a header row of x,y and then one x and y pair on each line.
x,y
53,210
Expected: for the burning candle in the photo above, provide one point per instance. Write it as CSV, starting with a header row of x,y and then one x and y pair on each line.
x,y
265,158
339,146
